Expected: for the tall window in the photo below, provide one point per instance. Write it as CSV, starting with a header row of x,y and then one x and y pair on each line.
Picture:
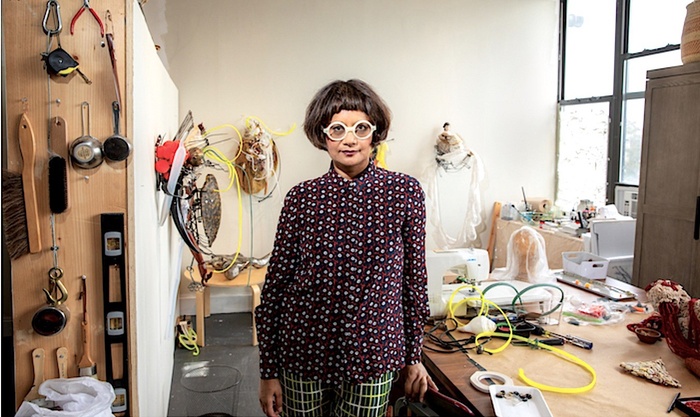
x,y
606,49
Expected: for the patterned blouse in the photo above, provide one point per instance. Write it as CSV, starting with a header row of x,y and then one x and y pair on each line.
x,y
345,296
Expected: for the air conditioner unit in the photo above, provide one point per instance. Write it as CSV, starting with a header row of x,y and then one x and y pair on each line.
x,y
626,200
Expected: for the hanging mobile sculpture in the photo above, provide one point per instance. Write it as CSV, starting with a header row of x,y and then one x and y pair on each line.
x,y
196,209
259,159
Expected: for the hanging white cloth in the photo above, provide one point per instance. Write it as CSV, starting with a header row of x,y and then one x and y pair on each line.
x,y
456,160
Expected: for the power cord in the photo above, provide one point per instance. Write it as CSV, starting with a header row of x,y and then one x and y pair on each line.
x,y
187,337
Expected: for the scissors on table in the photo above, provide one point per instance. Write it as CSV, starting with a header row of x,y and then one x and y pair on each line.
x,y
86,5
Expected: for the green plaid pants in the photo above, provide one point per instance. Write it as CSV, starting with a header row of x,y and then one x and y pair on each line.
x,y
307,398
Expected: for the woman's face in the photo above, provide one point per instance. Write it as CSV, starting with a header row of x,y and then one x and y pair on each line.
x,y
350,155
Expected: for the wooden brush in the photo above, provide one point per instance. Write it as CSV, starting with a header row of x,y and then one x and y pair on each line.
x,y
58,168
27,147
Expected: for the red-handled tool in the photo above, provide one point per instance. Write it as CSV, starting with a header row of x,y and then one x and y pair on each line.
x,y
86,5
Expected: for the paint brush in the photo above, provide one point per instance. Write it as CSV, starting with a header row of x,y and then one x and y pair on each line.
x,y
87,366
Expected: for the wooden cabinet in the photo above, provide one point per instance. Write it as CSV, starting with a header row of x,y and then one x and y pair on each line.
x,y
667,244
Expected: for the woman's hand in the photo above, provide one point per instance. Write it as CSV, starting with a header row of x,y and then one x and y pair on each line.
x,y
416,382
271,397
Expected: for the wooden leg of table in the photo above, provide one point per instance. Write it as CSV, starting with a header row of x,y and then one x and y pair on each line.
x,y
200,312
207,301
256,302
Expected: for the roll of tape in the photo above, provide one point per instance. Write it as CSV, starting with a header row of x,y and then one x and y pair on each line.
x,y
478,376
540,204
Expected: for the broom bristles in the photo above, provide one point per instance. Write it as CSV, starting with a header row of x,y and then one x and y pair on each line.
x,y
14,217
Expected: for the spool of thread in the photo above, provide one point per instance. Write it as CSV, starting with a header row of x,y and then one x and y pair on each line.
x,y
479,376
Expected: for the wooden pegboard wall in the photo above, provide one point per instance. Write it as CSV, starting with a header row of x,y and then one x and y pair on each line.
x,y
90,192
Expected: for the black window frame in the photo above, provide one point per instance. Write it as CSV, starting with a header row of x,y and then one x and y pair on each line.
x,y
617,99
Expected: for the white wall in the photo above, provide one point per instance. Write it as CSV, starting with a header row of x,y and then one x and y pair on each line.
x,y
487,67
156,249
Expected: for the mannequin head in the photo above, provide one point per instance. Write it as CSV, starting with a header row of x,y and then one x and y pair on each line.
x,y
527,258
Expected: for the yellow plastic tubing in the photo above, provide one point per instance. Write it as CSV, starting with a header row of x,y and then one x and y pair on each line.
x,y
521,373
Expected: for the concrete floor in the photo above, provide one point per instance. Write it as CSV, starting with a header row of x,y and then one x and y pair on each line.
x,y
228,342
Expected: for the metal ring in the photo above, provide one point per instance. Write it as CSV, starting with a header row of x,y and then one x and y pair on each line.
x,y
55,273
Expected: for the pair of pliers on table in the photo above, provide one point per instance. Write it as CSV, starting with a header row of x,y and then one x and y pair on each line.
x,y
86,5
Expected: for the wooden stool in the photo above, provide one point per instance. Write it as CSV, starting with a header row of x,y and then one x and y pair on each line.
x,y
249,277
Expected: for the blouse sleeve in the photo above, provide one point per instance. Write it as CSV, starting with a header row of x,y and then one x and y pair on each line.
x,y
280,271
415,281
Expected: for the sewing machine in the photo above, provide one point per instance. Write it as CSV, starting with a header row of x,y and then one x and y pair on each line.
x,y
474,262
471,266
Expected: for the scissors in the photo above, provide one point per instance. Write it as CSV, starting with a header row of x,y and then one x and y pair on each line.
x,y
86,5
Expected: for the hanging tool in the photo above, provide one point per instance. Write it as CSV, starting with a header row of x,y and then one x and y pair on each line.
x,y
27,147
114,297
116,147
56,287
112,57
52,5
33,394
86,5
86,151
51,319
58,61
62,361
38,362
58,168
87,366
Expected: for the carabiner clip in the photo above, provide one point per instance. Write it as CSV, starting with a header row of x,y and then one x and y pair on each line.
x,y
59,25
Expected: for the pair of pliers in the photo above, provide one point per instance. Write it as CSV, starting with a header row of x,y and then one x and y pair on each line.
x,y
86,5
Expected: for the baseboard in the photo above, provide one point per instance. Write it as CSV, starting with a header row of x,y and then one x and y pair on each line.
x,y
222,300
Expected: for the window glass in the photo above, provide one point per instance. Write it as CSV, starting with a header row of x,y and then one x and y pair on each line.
x,y
631,147
665,17
583,153
590,48
636,68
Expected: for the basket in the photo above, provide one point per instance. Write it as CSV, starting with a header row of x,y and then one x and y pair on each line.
x,y
585,264
690,37
212,390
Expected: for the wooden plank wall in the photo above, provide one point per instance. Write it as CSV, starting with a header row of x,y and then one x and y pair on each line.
x,y
90,192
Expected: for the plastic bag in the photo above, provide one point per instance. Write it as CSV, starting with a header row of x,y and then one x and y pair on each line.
x,y
598,312
78,397
526,258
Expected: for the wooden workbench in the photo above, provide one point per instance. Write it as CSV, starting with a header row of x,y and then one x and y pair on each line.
x,y
616,392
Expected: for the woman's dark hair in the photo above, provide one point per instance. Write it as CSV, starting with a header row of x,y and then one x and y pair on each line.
x,y
345,95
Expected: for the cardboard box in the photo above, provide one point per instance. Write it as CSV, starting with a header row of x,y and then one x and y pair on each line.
x,y
585,264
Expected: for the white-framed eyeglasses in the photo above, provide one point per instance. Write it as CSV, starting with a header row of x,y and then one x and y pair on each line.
x,y
337,131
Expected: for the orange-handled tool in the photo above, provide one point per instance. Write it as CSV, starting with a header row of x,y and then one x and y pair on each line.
x,y
86,365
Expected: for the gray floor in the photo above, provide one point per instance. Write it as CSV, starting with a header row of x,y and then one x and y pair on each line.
x,y
228,342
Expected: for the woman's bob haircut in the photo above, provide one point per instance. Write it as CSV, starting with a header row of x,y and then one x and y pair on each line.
x,y
352,95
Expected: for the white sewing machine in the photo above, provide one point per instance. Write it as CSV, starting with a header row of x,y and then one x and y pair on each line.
x,y
475,264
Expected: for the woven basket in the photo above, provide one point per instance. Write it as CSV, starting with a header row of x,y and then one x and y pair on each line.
x,y
690,38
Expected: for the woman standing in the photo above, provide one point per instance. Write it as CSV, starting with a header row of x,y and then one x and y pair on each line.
x,y
345,297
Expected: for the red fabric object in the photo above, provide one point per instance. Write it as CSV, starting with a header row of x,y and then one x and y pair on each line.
x,y
654,321
685,348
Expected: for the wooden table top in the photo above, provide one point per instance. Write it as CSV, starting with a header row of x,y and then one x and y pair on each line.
x,y
613,344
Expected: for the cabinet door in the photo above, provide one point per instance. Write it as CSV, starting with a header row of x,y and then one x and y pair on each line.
x,y
669,182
